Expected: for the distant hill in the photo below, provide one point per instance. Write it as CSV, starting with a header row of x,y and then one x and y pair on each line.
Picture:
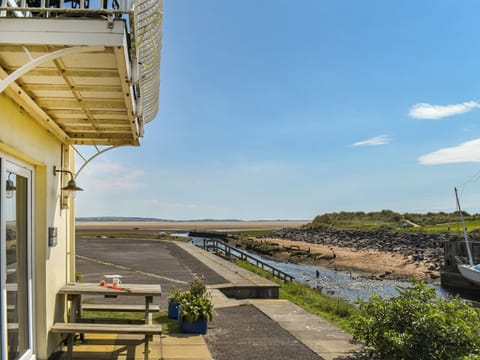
x,y
386,219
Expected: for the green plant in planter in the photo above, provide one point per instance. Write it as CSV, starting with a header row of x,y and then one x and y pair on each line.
x,y
195,307
197,287
174,299
176,295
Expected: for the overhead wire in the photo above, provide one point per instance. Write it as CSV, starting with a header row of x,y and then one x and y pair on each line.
x,y
472,179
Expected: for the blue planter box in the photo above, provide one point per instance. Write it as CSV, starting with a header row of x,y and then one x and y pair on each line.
x,y
197,327
173,309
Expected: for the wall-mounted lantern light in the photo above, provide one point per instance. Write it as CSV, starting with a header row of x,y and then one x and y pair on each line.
x,y
70,189
10,187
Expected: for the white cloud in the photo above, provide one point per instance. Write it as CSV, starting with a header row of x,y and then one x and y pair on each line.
x,y
377,140
103,175
433,112
466,152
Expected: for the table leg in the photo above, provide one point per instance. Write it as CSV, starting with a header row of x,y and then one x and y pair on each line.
x,y
76,308
147,347
148,321
70,339
148,314
75,314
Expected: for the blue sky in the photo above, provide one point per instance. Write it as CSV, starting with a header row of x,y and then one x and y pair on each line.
x,y
273,109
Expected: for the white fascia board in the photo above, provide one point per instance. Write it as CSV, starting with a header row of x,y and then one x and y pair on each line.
x,y
64,31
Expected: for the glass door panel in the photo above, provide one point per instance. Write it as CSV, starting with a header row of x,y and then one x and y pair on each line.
x,y
16,268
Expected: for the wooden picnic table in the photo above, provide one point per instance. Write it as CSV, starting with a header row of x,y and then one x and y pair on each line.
x,y
74,293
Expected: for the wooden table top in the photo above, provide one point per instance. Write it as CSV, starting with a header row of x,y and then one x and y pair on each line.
x,y
97,289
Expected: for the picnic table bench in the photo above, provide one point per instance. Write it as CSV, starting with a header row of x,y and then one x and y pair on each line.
x,y
86,328
119,307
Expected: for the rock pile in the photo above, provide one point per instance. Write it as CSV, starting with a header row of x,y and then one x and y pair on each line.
x,y
406,243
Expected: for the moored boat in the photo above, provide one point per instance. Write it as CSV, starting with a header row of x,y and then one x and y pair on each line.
x,y
469,271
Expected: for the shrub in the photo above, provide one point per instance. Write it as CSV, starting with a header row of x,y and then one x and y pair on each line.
x,y
418,325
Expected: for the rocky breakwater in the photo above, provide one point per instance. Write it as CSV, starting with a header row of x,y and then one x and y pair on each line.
x,y
408,244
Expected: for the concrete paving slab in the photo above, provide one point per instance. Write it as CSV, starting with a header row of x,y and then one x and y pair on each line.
x,y
323,338
185,346
221,301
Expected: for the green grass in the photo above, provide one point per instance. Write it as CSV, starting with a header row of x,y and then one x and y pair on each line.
x,y
335,310
359,225
169,326
455,227
387,219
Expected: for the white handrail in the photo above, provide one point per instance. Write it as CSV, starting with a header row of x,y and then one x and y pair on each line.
x,y
148,39
12,3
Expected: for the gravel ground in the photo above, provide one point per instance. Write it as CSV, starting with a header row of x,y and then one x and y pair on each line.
x,y
245,333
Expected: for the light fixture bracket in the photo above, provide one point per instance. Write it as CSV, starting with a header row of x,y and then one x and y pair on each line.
x,y
69,190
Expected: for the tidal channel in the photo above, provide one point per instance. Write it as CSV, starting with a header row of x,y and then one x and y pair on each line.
x,y
348,286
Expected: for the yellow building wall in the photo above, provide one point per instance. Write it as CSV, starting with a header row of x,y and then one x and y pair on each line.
x,y
21,138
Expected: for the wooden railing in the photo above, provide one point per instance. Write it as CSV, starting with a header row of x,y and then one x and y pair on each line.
x,y
228,252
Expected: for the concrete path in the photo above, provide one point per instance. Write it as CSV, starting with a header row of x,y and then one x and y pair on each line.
x,y
235,275
320,336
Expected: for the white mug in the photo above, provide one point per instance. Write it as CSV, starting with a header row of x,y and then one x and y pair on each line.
x,y
116,281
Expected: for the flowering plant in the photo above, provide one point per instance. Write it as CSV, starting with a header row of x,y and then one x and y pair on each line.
x,y
194,307
195,303
197,287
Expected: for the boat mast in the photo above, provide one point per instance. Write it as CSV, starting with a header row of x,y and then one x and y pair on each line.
x,y
470,260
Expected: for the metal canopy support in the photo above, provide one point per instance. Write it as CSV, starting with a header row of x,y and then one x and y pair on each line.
x,y
87,161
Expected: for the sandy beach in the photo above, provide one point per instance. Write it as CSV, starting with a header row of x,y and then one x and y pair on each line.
x,y
172,226
371,262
